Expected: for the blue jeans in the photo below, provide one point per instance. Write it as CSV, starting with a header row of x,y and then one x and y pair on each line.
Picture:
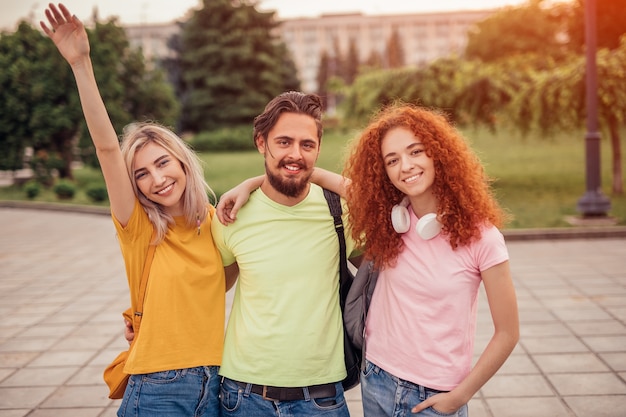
x,y
191,392
386,395
240,402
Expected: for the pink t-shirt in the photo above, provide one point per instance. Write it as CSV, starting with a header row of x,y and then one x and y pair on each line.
x,y
422,319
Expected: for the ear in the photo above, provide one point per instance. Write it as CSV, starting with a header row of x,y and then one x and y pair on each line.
x,y
259,141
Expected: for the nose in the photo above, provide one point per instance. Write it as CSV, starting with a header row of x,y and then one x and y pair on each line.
x,y
158,178
406,162
295,152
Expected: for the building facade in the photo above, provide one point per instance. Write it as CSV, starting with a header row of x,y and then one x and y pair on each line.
x,y
424,37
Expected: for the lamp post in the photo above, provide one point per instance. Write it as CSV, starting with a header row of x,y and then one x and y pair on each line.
x,y
593,203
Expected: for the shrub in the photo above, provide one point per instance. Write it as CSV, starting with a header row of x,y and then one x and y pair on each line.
x,y
97,192
237,138
32,189
64,190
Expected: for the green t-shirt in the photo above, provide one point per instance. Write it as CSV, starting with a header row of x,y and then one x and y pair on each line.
x,y
285,326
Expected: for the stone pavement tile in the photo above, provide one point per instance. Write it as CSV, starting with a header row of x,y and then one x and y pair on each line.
x,y
619,312
111,411
581,314
554,328
50,330
5,372
561,292
587,384
104,357
516,386
567,301
23,397
28,344
606,343
528,406
610,300
477,408
33,377
67,412
560,344
617,361
93,343
597,406
88,375
602,289
21,320
536,316
63,358
9,359
6,332
518,364
353,398
570,362
77,396
14,413
597,327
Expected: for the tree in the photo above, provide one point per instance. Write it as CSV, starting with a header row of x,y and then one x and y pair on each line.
x,y
555,100
323,75
395,51
231,65
610,24
527,29
40,104
352,62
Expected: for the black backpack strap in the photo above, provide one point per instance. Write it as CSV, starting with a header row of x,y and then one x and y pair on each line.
x,y
334,204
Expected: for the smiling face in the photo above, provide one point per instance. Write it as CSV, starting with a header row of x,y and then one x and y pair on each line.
x,y
291,150
160,177
409,169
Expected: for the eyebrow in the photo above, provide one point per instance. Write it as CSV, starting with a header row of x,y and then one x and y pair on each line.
x,y
411,146
156,161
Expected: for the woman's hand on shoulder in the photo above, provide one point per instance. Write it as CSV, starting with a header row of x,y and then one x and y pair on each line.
x,y
232,200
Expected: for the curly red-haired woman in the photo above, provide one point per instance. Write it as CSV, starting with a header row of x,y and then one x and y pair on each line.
x,y
421,207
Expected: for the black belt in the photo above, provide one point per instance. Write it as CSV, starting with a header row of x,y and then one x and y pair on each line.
x,y
290,393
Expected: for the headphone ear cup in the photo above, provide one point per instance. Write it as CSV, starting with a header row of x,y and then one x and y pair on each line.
x,y
400,219
428,226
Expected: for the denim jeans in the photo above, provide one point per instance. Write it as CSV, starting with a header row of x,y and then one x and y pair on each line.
x,y
386,395
240,402
191,392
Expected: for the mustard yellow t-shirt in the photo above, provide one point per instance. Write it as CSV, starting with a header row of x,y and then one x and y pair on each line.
x,y
184,309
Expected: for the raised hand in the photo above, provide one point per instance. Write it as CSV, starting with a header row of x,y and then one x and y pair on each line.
x,y
67,32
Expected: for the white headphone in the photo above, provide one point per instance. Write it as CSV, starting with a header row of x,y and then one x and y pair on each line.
x,y
427,226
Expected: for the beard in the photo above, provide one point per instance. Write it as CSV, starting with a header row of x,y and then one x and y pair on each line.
x,y
290,187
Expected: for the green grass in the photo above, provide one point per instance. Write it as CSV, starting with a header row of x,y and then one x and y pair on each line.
x,y
539,180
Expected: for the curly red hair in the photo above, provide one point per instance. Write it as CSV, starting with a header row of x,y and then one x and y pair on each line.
x,y
461,186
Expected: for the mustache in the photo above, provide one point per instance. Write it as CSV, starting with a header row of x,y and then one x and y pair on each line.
x,y
286,162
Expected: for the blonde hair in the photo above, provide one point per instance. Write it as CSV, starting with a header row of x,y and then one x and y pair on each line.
x,y
196,194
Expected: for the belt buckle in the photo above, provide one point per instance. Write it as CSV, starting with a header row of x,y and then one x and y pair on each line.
x,y
265,397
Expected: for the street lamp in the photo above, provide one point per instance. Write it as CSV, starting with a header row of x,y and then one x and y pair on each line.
x,y
593,203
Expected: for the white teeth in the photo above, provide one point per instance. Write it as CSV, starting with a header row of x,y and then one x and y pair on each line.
x,y
166,189
411,179
291,168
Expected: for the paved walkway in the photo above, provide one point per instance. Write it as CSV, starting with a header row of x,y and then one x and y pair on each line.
x,y
62,289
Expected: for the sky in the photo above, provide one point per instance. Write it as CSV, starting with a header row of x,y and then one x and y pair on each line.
x,y
161,11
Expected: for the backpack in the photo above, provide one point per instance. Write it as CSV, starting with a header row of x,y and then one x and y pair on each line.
x,y
355,293
357,304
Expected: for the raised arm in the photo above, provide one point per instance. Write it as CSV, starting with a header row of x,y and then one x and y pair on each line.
x,y
70,37
330,180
